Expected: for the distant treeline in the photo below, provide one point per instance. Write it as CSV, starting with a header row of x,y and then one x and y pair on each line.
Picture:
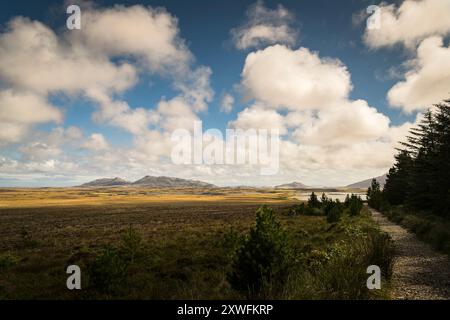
x,y
420,177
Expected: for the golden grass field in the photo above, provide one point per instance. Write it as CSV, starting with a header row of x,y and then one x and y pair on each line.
x,y
48,197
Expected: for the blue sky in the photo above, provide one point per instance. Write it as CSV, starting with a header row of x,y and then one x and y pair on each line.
x,y
327,28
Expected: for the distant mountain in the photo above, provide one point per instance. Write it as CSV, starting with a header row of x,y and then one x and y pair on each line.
x,y
168,182
150,182
366,183
293,185
106,183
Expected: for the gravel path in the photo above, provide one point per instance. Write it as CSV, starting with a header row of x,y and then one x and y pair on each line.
x,y
420,273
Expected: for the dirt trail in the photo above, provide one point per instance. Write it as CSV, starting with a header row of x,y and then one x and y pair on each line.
x,y
420,273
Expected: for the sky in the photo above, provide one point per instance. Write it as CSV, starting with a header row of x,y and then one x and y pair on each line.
x,y
339,84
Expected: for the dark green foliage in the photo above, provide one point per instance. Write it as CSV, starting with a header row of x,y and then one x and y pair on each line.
x,y
108,271
354,204
131,242
263,259
313,201
374,195
428,227
347,201
305,210
396,188
7,260
333,211
420,177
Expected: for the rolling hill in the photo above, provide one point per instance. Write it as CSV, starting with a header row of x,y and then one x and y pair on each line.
x,y
149,182
366,183
293,185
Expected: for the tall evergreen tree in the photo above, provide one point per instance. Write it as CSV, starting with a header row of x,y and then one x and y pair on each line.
x,y
420,177
396,188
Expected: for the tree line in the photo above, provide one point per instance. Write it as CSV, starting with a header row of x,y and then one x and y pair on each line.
x,y
420,177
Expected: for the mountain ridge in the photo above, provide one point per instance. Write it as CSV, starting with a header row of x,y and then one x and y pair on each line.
x,y
292,185
149,182
366,183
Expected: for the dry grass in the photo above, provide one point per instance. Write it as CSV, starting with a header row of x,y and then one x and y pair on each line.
x,y
48,197
183,253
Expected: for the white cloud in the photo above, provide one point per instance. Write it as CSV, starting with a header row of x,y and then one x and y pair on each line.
x,y
410,23
101,61
329,134
294,79
258,117
149,34
96,142
428,80
176,114
33,58
350,123
265,27
19,111
227,103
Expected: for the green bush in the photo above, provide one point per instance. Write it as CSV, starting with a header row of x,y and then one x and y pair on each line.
x,y
107,273
341,272
313,201
131,244
261,264
305,210
355,205
334,211
6,261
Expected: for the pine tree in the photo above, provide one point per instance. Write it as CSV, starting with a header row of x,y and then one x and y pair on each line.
x,y
396,187
374,195
313,201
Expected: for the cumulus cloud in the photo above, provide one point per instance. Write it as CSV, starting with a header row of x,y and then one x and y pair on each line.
x,y
427,81
259,117
294,79
227,103
265,27
99,62
34,58
96,142
410,23
352,122
149,34
19,111
307,98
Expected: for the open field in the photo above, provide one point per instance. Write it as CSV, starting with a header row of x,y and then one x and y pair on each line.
x,y
185,248
48,197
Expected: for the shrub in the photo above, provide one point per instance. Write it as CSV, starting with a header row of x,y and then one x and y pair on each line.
x,y
6,261
355,205
305,210
333,211
343,274
261,264
313,201
231,240
375,197
108,272
131,243
380,251
26,241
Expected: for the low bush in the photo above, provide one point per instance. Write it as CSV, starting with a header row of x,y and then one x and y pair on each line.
x,y
131,244
429,228
7,260
108,271
334,211
261,264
